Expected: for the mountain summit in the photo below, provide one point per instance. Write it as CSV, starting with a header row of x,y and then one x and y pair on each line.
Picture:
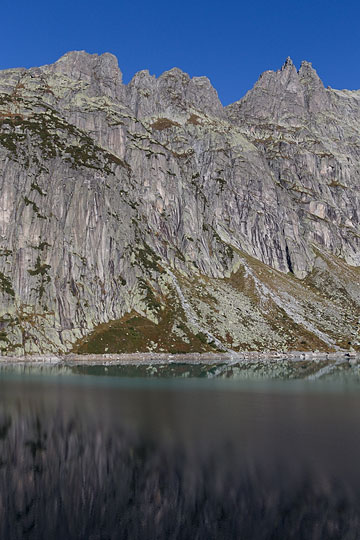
x,y
148,217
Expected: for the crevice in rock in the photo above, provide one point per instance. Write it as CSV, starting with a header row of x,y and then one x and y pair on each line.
x,y
288,260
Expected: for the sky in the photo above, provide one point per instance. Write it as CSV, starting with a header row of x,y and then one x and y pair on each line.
x,y
231,42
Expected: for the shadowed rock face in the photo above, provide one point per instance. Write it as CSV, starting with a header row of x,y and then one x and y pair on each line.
x,y
152,205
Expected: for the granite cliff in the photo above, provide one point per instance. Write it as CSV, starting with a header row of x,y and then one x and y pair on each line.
x,y
148,217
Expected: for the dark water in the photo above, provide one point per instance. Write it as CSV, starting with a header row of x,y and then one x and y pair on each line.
x,y
106,458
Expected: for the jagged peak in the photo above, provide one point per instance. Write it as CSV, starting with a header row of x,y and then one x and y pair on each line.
x,y
140,77
308,75
288,63
305,64
307,68
75,54
84,56
175,72
143,73
77,63
288,72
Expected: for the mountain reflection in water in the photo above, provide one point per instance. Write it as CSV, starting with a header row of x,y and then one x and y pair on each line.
x,y
81,460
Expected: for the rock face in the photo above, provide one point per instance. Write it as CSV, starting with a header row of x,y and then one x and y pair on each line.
x,y
148,216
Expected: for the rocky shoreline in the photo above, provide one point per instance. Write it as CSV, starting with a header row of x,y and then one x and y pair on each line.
x,y
189,358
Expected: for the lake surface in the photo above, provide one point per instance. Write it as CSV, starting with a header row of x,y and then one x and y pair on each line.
x,y
94,457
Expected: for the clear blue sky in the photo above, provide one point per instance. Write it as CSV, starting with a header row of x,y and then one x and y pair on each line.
x,y
231,42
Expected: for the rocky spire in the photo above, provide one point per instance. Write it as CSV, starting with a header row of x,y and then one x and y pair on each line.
x,y
308,75
287,64
174,92
316,97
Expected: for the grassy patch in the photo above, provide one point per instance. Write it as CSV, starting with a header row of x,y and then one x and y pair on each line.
x,y
34,206
164,123
194,119
53,137
6,285
134,333
41,271
150,299
148,259
36,187
296,334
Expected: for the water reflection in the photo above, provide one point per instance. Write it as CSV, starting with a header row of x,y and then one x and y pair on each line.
x,y
107,461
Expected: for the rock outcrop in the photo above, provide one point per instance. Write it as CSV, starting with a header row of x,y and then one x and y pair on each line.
x,y
147,216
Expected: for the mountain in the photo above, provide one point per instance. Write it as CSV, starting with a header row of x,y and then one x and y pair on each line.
x,y
148,217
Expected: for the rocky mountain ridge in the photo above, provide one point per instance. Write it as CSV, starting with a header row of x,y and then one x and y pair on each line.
x,y
148,217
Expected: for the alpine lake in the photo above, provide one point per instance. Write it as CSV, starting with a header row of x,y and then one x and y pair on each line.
x,y
180,449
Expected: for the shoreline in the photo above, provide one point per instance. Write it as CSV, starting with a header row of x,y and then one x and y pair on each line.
x,y
149,358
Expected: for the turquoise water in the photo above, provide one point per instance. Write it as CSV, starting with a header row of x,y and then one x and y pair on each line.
x,y
87,456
